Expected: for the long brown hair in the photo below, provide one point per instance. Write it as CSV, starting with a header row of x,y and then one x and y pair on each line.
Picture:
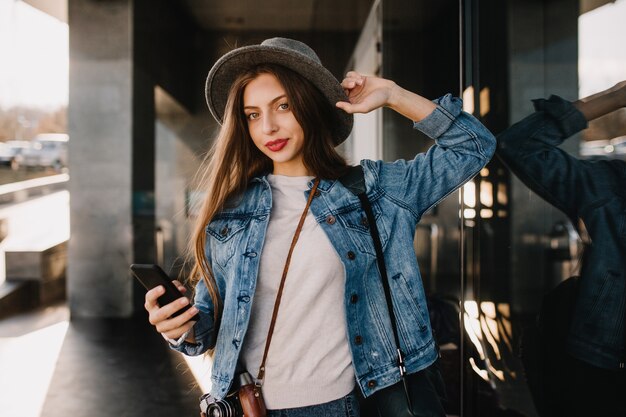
x,y
234,159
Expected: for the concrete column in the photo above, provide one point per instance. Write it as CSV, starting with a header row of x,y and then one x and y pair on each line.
x,y
100,128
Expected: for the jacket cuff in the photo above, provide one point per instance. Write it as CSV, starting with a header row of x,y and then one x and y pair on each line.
x,y
176,342
203,333
439,121
567,117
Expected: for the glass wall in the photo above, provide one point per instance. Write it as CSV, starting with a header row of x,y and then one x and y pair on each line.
x,y
515,333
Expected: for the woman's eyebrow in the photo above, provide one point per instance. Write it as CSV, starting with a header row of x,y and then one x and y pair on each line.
x,y
271,102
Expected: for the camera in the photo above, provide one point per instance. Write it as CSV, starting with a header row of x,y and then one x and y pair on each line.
x,y
243,401
228,407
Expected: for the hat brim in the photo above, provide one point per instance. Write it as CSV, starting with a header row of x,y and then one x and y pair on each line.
x,y
231,65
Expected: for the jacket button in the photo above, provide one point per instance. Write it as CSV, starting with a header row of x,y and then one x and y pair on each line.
x,y
351,256
364,222
358,340
224,231
371,383
317,193
331,219
354,298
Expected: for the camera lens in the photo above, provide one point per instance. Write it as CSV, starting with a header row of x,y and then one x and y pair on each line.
x,y
220,409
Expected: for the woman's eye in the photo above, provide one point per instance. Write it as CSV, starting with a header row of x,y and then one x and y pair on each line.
x,y
283,106
252,116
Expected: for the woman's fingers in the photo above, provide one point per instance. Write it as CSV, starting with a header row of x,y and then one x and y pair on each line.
x,y
353,74
349,82
160,314
151,298
153,295
176,324
352,85
365,93
178,332
180,286
352,108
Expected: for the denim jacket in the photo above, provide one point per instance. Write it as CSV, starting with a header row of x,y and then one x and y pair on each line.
x,y
594,191
400,193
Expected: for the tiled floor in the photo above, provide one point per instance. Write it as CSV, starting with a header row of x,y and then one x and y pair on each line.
x,y
51,366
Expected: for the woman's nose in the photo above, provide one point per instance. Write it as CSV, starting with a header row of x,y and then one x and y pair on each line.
x,y
269,124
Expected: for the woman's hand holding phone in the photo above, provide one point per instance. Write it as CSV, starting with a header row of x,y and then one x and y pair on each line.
x,y
169,310
162,317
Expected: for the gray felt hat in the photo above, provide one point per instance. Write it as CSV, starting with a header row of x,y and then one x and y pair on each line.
x,y
289,53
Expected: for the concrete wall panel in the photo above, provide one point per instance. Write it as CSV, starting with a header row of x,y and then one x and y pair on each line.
x,y
100,128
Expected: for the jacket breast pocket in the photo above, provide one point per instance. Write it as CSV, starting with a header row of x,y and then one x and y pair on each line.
x,y
356,222
227,234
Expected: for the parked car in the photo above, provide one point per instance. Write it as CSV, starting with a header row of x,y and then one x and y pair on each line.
x,y
47,151
11,152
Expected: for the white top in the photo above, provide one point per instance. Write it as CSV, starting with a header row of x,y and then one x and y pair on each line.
x,y
309,359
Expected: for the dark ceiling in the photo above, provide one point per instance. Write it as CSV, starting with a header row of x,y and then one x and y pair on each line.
x,y
279,15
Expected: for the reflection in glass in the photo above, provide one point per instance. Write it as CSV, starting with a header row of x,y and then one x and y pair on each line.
x,y
577,349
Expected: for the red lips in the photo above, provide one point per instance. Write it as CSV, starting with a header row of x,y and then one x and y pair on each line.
x,y
276,145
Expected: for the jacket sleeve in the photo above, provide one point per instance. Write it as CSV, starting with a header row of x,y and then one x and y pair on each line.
x,y
204,329
463,146
530,149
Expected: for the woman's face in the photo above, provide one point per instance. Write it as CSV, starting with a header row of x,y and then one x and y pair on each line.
x,y
273,126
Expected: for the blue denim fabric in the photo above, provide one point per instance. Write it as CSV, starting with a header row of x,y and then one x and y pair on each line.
x,y
347,406
400,192
594,191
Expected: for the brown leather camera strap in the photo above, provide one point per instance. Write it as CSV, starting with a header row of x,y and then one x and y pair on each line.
x,y
259,381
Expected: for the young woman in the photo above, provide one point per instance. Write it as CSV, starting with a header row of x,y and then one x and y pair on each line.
x,y
282,114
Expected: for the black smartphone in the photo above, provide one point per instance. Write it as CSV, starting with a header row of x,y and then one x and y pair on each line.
x,y
152,276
